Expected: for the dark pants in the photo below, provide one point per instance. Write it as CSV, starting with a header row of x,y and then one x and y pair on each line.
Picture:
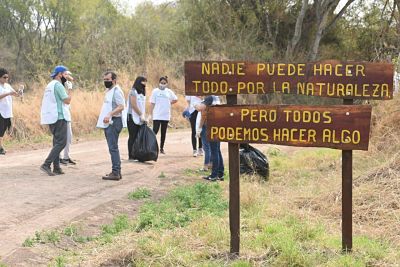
x,y
216,159
112,134
164,126
59,132
192,120
4,125
133,130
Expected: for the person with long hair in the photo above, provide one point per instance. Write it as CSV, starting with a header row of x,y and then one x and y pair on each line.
x,y
136,110
160,109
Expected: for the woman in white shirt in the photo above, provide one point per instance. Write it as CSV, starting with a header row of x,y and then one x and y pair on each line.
x,y
161,100
6,94
192,101
136,110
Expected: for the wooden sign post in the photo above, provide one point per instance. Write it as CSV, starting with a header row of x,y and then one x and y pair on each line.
x,y
344,127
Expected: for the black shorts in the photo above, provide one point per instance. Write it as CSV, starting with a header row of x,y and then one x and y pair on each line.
x,y
4,125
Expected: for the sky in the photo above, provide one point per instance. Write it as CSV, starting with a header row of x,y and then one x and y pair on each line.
x,y
131,4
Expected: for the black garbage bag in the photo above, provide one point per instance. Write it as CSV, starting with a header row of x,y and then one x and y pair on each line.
x,y
145,147
253,161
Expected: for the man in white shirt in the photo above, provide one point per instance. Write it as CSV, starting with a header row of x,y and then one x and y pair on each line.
x,y
6,94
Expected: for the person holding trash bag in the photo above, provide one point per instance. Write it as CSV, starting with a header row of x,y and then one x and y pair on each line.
x,y
145,147
217,170
136,104
160,109
110,119
192,101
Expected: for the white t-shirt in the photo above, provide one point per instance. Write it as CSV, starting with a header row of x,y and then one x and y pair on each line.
x,y
140,102
6,102
162,103
193,100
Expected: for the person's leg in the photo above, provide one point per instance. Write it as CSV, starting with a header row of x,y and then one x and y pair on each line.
x,y
69,141
215,159
156,126
130,125
112,134
192,120
220,169
206,147
164,126
3,128
59,132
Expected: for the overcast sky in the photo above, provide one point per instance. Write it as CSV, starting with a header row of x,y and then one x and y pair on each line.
x,y
131,4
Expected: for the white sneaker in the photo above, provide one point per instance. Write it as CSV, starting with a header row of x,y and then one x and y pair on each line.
x,y
195,153
200,152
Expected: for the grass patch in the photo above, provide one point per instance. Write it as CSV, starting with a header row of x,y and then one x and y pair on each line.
x,y
181,206
162,175
139,193
42,237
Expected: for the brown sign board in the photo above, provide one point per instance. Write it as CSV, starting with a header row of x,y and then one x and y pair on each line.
x,y
344,127
337,79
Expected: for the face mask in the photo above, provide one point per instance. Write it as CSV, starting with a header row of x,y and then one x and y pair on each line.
x,y
63,80
162,86
108,84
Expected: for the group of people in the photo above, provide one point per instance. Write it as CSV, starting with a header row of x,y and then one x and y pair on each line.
x,y
116,113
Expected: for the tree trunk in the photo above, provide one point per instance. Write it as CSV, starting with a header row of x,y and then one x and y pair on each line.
x,y
297,31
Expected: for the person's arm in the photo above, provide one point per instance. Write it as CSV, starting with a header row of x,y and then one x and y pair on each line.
x,y
187,101
133,100
68,99
174,98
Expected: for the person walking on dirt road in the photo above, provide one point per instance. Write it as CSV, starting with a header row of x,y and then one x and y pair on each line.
x,y
110,119
55,113
6,110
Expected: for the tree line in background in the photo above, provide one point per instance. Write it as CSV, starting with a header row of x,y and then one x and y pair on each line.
x,y
90,36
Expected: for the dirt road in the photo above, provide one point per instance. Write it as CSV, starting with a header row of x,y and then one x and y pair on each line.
x,y
32,201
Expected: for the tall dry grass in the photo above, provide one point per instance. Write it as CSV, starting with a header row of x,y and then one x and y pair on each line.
x,y
87,101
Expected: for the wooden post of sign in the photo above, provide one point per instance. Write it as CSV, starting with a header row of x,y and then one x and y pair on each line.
x,y
347,195
234,189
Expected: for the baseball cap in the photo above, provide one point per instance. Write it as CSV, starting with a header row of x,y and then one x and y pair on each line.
x,y
57,70
211,100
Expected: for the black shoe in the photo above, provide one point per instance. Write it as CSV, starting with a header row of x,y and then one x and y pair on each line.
x,y
221,177
64,161
58,171
162,151
112,176
47,170
210,178
70,161
2,151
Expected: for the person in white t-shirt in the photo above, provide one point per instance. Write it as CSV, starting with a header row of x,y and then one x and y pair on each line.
x,y
136,110
6,94
160,108
192,101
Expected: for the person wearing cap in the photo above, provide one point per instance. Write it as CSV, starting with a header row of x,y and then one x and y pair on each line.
x,y
112,121
217,169
55,113
6,111
191,102
67,159
160,108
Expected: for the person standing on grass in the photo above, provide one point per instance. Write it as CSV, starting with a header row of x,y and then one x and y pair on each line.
x,y
55,113
67,159
136,110
217,170
160,108
110,119
6,109
192,101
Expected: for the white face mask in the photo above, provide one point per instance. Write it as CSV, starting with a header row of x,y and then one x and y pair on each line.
x,y
162,86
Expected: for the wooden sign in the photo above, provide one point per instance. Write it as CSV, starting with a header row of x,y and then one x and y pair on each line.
x,y
340,127
337,79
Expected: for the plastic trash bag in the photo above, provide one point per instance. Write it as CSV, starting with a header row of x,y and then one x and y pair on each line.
x,y
145,147
253,161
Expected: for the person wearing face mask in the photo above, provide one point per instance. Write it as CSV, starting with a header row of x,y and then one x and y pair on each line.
x,y
136,104
6,111
55,113
160,108
110,119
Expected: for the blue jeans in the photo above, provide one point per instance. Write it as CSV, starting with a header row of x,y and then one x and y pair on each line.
x,y
112,135
216,159
206,145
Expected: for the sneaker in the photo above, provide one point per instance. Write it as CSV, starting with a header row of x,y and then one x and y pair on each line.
x,y
64,161
210,178
195,153
70,161
162,151
221,178
2,151
58,171
112,176
47,170
200,152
